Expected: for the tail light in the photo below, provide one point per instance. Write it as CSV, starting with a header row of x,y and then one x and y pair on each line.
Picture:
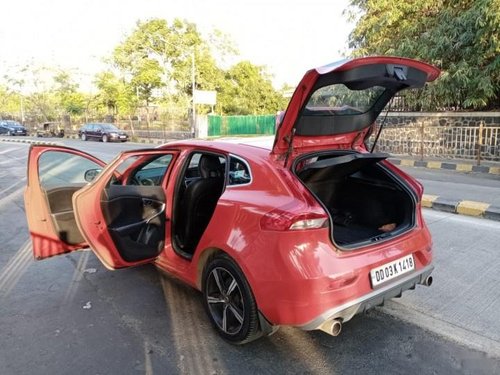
x,y
283,219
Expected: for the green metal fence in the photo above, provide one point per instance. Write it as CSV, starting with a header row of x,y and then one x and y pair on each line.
x,y
240,125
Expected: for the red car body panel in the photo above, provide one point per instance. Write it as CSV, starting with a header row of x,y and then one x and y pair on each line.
x,y
295,275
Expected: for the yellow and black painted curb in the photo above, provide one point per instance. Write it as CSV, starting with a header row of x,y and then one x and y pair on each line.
x,y
461,207
41,141
459,167
30,141
154,141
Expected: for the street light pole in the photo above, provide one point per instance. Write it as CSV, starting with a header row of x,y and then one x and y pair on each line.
x,y
22,108
193,83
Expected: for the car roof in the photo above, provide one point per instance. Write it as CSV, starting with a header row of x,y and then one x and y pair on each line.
x,y
99,123
247,151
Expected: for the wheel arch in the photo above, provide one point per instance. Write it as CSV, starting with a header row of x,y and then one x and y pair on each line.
x,y
206,256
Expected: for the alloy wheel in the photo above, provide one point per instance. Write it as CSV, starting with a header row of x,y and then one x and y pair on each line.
x,y
225,300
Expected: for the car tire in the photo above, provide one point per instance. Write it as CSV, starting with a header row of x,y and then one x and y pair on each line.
x,y
105,138
83,137
229,301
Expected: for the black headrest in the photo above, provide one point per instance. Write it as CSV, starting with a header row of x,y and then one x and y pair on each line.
x,y
210,166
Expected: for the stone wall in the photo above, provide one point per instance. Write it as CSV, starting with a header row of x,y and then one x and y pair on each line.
x,y
447,134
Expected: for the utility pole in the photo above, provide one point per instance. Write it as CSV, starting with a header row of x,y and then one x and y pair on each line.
x,y
22,108
193,80
193,84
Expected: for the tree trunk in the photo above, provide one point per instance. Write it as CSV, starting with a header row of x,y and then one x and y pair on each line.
x,y
131,124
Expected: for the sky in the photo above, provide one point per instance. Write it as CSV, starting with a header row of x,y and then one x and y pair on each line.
x,y
289,37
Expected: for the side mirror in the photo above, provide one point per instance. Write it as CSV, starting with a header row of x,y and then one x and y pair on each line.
x,y
91,174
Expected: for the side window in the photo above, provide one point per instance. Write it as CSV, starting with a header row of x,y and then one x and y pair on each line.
x,y
239,172
56,169
145,170
151,171
193,169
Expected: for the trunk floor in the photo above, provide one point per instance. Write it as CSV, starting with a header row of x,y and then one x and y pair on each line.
x,y
353,233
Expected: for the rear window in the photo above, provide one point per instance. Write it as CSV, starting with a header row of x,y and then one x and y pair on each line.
x,y
339,100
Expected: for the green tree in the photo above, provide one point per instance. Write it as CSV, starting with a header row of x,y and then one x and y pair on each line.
x,y
116,96
460,37
160,55
71,101
248,90
10,102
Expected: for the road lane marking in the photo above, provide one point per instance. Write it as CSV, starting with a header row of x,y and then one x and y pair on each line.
x,y
12,149
15,268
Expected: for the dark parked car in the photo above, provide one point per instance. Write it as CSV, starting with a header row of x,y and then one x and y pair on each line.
x,y
10,127
102,132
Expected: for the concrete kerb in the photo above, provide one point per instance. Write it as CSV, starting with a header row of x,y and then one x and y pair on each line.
x,y
154,141
461,207
459,167
30,141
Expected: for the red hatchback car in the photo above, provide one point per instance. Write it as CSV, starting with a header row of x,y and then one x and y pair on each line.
x,y
306,234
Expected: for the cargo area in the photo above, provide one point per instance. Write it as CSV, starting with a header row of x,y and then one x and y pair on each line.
x,y
366,202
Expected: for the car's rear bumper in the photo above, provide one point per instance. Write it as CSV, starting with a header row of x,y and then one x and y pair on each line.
x,y
117,138
377,297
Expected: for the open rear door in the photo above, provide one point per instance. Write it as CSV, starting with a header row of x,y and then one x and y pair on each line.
x,y
122,214
334,106
55,173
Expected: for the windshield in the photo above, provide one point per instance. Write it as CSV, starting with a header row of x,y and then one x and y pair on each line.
x,y
13,124
339,100
109,127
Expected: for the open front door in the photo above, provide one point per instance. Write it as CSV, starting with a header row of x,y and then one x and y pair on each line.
x,y
122,215
55,173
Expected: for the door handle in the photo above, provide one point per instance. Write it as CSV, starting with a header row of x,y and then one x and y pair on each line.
x,y
151,202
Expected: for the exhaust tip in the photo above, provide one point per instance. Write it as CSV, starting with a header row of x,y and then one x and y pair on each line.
x,y
332,327
428,281
336,328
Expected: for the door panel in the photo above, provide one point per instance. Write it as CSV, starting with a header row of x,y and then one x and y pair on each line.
x,y
55,173
135,217
124,222
61,212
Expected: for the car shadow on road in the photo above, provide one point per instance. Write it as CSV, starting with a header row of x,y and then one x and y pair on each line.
x,y
371,343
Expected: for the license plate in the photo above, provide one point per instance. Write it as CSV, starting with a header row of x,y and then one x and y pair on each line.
x,y
392,270
123,136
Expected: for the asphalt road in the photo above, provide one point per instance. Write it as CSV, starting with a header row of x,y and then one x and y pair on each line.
x,y
70,315
474,186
